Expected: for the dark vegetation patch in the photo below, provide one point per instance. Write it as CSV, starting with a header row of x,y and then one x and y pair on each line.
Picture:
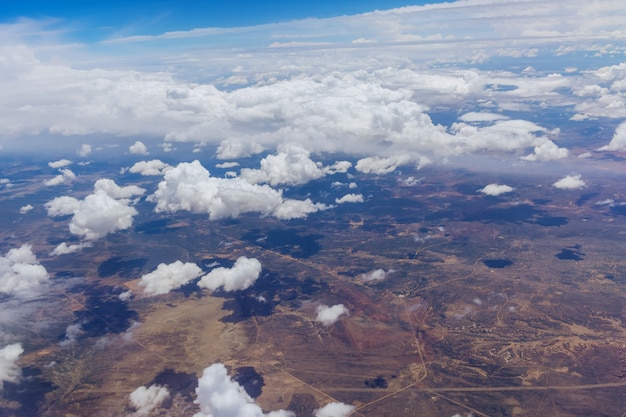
x,y
104,313
554,221
497,263
267,292
125,268
290,242
250,380
153,227
30,393
177,383
378,382
619,210
515,214
585,198
303,405
570,255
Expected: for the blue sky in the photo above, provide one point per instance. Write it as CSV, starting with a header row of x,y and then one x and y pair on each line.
x,y
153,17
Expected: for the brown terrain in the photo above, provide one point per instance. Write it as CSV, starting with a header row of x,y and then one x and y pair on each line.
x,y
507,306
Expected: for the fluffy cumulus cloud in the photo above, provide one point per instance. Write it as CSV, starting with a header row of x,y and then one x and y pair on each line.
x,y
25,209
62,206
20,272
226,165
65,177
335,410
9,355
382,165
61,163
496,189
107,210
220,396
190,187
138,148
115,191
168,277
147,168
350,198
146,399
297,209
329,315
63,248
292,165
570,182
618,142
241,276
376,275
84,150
547,151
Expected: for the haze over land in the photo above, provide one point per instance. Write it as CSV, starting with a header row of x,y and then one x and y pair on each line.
x,y
348,211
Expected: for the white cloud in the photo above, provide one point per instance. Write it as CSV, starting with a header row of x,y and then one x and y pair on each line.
x,y
146,399
138,148
547,151
71,333
329,315
350,198
168,277
190,187
62,206
241,276
219,396
65,177
115,191
63,248
292,165
338,167
570,182
236,148
382,165
20,272
25,209
496,189
618,142
9,355
146,168
100,214
105,211
85,150
376,275
297,209
61,163
335,410
227,165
